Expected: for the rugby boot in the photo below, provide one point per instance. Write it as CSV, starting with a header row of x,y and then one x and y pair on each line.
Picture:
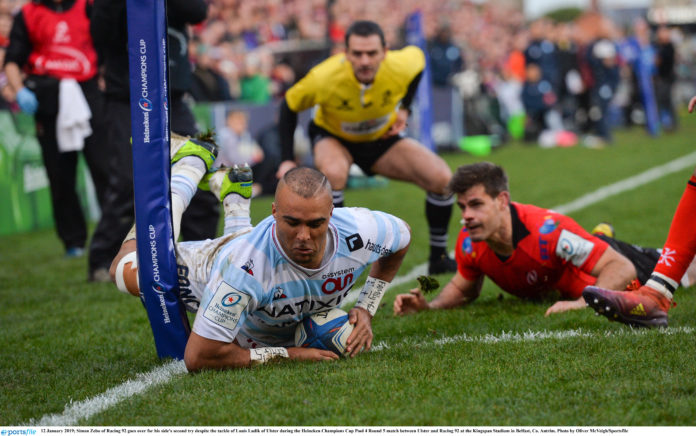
x,y
605,229
644,307
443,264
235,180
182,147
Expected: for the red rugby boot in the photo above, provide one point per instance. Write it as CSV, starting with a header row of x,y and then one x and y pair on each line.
x,y
644,307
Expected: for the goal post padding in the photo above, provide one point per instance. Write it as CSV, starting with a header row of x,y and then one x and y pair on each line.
x,y
149,97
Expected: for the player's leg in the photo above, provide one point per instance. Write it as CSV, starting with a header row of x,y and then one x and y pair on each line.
x,y
233,187
334,161
648,306
191,161
410,161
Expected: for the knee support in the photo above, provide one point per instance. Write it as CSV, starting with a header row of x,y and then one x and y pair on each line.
x,y
126,276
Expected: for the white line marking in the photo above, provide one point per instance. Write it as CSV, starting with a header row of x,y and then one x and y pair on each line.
x,y
84,409
527,336
643,178
74,412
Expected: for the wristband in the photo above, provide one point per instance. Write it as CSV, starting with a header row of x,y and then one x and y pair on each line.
x,y
371,294
260,356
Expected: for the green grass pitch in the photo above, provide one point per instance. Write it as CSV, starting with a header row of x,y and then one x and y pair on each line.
x,y
496,362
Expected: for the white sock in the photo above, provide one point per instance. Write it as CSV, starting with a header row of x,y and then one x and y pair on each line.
x,y
186,174
659,287
236,213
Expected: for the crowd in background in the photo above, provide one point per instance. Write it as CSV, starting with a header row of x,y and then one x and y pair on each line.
x,y
502,65
252,52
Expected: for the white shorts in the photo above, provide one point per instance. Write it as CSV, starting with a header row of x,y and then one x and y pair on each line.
x,y
194,261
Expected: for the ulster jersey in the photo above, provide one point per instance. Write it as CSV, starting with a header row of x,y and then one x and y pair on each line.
x,y
256,294
551,252
349,109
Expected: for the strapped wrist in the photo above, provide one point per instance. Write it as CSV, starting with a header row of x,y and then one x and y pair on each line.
x,y
371,294
263,355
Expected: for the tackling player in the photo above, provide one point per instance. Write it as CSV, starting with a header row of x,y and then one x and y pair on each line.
x,y
526,250
253,285
648,306
362,102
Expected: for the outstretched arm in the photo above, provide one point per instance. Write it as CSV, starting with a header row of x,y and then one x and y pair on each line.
x,y
381,273
458,292
202,353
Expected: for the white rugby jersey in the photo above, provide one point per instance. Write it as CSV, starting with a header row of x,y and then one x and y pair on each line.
x,y
257,295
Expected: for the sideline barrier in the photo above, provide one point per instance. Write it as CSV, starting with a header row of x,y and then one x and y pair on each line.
x,y
25,198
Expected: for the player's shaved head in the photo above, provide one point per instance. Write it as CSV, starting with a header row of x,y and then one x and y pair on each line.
x,y
302,210
305,182
491,176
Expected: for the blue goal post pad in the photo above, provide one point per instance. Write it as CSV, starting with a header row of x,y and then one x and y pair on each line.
x,y
149,97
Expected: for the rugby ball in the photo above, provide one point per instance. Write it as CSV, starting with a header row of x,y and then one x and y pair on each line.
x,y
325,330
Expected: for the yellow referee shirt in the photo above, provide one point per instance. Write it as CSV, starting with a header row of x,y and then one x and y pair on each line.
x,y
348,109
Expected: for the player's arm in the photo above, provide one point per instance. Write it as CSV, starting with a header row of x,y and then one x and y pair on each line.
x,y
287,122
460,291
613,271
397,238
401,121
203,353
381,274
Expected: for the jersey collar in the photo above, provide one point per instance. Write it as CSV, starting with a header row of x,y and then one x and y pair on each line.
x,y
519,230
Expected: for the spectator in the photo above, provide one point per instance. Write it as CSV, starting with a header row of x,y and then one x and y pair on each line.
x,y
5,26
51,44
208,84
538,98
665,78
542,52
237,146
602,58
445,57
640,55
256,83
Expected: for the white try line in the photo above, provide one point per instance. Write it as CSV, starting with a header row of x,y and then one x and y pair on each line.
x,y
528,336
624,185
74,412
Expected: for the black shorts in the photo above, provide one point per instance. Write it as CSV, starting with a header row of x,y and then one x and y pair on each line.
x,y
364,154
644,259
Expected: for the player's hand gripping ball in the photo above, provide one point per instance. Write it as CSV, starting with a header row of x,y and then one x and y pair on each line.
x,y
325,330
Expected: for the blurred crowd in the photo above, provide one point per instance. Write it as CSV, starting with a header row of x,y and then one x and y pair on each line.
x,y
542,78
